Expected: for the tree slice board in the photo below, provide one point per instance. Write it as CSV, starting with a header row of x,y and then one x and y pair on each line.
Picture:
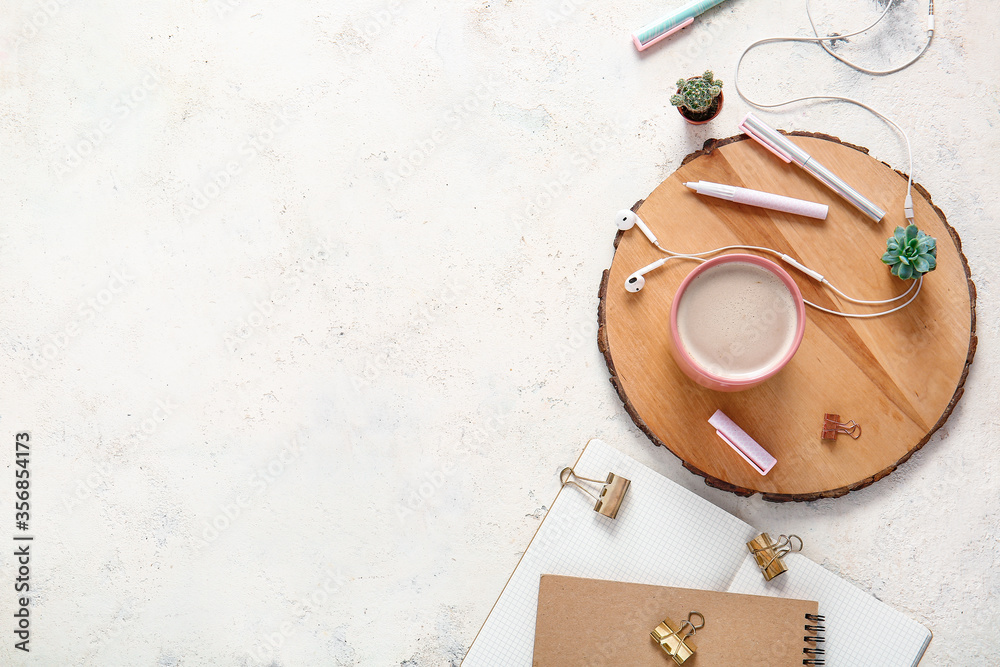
x,y
899,376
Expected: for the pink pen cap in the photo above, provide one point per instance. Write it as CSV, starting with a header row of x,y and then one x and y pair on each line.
x,y
645,34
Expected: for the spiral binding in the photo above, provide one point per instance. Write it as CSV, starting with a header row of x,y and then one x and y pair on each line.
x,y
814,652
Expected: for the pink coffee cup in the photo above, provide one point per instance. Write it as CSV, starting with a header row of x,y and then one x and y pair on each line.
x,y
765,326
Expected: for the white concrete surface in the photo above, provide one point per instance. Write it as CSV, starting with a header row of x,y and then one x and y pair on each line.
x,y
299,310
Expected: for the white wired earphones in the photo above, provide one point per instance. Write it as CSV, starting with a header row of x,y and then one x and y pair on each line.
x,y
822,41
627,219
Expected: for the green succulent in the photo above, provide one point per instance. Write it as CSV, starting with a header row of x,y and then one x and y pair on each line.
x,y
697,93
910,253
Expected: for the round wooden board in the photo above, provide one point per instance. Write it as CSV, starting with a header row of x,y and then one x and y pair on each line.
x,y
899,375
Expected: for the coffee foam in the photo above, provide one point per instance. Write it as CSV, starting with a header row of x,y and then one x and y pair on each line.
x,y
737,320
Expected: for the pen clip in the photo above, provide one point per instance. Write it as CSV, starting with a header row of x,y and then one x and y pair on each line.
x,y
763,142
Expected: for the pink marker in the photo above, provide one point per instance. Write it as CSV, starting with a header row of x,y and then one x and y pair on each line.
x,y
762,199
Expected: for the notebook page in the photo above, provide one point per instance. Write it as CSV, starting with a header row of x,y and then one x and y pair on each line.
x,y
663,535
860,630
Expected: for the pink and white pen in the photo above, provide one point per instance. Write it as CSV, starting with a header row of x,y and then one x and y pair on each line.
x,y
761,199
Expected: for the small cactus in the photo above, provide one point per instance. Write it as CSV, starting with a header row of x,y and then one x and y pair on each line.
x,y
910,253
697,93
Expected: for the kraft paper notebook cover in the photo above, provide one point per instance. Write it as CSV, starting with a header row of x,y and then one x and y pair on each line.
x,y
666,535
607,623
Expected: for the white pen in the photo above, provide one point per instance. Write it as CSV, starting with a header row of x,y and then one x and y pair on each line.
x,y
761,199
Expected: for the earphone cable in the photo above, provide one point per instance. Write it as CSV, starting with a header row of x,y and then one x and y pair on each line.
x,y
822,41
817,39
916,285
698,256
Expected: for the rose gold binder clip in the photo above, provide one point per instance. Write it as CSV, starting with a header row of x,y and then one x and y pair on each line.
x,y
612,493
673,644
832,426
769,553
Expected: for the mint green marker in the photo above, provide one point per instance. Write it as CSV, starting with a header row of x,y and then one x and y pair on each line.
x,y
648,35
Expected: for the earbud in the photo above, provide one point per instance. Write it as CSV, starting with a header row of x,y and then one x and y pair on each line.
x,y
626,219
636,281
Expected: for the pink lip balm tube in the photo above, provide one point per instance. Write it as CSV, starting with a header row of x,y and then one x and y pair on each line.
x,y
751,451
762,199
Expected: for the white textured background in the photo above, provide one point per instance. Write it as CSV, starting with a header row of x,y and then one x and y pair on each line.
x,y
299,307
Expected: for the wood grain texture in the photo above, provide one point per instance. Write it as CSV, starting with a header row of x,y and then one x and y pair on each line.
x,y
899,376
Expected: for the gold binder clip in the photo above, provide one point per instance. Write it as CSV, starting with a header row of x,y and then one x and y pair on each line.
x,y
671,641
832,426
612,493
768,553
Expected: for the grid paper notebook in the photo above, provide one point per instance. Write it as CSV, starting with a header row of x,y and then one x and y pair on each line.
x,y
667,536
860,630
